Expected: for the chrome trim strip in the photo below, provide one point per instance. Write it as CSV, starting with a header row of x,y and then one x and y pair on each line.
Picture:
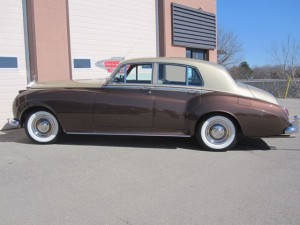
x,y
131,134
159,88
294,128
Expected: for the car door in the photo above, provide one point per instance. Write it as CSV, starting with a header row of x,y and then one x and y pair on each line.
x,y
177,91
125,104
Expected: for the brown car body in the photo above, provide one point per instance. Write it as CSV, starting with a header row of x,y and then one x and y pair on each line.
x,y
106,107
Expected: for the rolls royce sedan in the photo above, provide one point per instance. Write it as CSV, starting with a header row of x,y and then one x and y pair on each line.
x,y
153,97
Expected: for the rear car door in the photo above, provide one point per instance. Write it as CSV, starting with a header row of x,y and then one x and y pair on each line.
x,y
177,92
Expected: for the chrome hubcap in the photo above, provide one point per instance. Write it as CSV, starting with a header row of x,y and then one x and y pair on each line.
x,y
43,126
217,133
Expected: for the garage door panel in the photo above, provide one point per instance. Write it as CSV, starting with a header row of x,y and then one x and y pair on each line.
x,y
103,30
11,45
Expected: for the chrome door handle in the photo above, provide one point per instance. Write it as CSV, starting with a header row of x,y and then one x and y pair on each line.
x,y
147,90
192,92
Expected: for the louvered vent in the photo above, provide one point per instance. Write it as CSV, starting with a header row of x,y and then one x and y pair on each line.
x,y
193,28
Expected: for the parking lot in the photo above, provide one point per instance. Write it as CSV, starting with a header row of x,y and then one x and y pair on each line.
x,y
149,180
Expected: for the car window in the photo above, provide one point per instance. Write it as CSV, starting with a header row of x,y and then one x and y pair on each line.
x,y
119,77
172,74
139,74
179,75
135,74
194,78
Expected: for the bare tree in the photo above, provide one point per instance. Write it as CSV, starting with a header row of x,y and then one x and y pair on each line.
x,y
229,48
286,56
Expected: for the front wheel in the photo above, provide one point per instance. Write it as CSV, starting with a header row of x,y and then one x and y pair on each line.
x,y
217,132
42,127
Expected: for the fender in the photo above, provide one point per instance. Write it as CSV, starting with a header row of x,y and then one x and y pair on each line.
x,y
255,118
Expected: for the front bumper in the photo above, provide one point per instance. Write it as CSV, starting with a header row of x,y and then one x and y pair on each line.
x,y
14,122
294,128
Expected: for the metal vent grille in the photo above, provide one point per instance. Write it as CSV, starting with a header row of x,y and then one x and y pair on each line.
x,y
193,28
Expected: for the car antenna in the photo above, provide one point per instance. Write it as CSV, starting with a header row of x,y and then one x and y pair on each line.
x,y
132,47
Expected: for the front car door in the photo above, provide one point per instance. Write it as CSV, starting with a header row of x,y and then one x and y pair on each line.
x,y
177,91
125,104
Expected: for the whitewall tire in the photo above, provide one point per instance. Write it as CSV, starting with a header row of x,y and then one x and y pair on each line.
x,y
217,132
42,127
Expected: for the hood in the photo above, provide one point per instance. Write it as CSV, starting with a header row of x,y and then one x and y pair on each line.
x,y
96,83
257,93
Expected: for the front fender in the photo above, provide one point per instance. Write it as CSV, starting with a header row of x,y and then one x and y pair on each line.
x,y
26,106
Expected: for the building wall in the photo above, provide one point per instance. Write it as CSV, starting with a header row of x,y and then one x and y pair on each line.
x,y
48,33
11,45
106,31
167,48
103,31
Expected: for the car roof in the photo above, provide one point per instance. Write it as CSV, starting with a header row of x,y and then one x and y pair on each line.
x,y
179,60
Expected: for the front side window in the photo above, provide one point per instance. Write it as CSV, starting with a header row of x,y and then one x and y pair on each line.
x,y
134,74
139,74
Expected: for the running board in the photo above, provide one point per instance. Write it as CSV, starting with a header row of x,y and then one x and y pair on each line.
x,y
152,134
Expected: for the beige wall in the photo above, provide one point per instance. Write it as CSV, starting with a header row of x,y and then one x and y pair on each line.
x,y
174,51
48,33
49,36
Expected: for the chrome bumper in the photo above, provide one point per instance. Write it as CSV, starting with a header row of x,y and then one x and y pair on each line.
x,y
294,128
14,122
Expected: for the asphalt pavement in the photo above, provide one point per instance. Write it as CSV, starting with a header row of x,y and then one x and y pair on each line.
x,y
111,180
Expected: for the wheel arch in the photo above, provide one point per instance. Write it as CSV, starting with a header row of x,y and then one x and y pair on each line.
x,y
220,113
33,109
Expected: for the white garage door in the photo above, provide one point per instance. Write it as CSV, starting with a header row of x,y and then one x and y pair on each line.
x,y
12,57
104,32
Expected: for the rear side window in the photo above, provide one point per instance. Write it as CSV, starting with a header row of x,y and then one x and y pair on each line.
x,y
179,75
194,78
172,75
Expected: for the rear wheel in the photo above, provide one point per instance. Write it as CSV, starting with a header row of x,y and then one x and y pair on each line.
x,y
42,127
217,132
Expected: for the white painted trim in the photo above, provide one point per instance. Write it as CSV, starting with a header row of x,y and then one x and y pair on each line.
x,y
157,27
27,57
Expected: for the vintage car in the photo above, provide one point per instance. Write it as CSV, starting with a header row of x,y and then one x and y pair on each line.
x,y
153,97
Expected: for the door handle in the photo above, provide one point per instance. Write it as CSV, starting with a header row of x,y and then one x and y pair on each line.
x,y
193,92
147,90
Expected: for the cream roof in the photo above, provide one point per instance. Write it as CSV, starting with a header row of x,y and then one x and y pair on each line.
x,y
214,75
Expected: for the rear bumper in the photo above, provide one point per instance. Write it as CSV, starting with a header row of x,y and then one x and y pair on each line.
x,y
294,128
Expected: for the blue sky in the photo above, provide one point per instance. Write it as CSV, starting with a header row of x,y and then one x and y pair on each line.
x,y
258,23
